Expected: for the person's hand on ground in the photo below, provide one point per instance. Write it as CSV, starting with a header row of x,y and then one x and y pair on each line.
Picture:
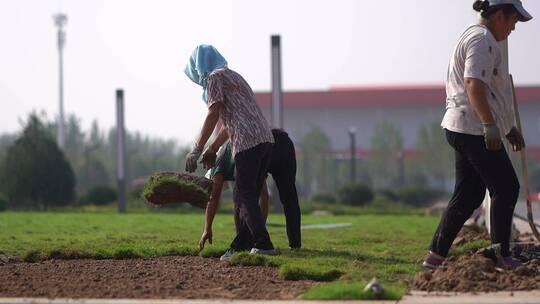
x,y
209,158
206,236
516,139
492,137
192,157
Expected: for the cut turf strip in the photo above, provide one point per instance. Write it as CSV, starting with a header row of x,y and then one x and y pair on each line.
x,y
171,187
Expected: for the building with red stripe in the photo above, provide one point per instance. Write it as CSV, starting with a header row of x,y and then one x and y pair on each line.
x,y
408,107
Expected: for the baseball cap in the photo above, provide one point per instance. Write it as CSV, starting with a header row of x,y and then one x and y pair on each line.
x,y
525,16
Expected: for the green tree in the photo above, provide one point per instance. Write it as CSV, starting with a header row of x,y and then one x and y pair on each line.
x,y
386,162
35,173
437,155
314,163
6,140
74,147
92,153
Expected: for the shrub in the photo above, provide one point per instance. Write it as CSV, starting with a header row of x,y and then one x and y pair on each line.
x,y
388,194
3,203
35,172
101,195
419,196
324,198
135,192
355,195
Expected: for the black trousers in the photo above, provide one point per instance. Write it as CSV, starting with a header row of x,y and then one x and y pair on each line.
x,y
283,170
250,172
478,169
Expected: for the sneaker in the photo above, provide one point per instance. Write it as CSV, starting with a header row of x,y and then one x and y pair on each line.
x,y
227,255
510,262
433,261
262,251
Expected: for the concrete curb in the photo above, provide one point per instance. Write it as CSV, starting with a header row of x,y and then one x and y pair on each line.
x,y
506,297
415,297
170,301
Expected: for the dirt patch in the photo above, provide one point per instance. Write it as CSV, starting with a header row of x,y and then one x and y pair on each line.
x,y
475,273
165,277
469,234
478,271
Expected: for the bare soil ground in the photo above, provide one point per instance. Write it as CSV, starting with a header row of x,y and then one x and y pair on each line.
x,y
469,234
165,277
474,272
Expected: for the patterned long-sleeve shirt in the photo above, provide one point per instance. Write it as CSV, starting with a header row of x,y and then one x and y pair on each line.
x,y
239,112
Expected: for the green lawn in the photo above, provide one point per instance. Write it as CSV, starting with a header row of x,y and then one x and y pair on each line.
x,y
389,247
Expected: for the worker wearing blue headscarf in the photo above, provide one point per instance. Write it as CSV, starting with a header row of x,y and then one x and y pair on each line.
x,y
231,101
203,61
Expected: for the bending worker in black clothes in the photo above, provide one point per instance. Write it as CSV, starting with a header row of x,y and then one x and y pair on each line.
x,y
283,170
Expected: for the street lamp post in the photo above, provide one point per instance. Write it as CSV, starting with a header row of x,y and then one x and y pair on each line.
x,y
401,168
60,21
120,151
87,151
352,136
277,94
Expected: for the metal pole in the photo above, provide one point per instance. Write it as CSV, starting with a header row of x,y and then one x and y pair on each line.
x,y
87,152
352,136
120,151
524,167
277,94
60,21
86,169
401,163
307,172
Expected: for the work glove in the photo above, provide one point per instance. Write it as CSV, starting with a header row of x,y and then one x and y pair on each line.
x,y
192,157
516,139
209,158
492,137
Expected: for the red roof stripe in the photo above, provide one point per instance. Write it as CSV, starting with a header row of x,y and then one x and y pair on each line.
x,y
394,95
533,152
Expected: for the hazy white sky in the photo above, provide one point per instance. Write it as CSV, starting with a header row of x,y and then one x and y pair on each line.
x,y
142,46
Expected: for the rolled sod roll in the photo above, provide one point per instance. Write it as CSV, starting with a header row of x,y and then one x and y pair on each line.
x,y
172,187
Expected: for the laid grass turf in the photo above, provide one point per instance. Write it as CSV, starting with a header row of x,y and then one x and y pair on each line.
x,y
349,290
389,247
468,247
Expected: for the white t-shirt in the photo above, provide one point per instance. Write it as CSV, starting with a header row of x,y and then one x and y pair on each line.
x,y
477,55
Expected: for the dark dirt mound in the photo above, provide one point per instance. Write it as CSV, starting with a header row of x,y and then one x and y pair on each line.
x,y
478,271
471,233
166,277
473,272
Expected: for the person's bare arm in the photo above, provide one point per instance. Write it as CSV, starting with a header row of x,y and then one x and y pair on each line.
x,y
476,90
208,127
211,210
264,201
210,154
220,139
209,124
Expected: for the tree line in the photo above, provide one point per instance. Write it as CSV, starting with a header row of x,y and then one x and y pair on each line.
x,y
385,167
36,173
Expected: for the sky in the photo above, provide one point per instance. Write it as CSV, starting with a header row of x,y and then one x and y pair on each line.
x,y
142,47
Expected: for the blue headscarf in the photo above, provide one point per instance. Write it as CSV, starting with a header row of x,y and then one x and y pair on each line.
x,y
204,59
